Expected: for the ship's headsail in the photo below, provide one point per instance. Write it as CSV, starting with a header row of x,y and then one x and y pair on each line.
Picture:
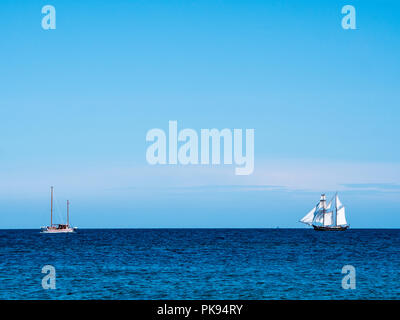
x,y
309,217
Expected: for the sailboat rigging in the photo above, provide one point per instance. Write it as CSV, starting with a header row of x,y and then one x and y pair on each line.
x,y
323,218
57,228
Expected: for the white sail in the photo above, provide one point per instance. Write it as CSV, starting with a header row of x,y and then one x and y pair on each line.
x,y
321,205
324,217
309,217
322,202
341,216
319,218
338,203
328,219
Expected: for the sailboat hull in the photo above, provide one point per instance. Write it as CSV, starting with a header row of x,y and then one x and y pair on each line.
x,y
57,230
338,228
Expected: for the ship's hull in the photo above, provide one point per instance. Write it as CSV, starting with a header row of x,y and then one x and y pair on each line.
x,y
53,230
338,228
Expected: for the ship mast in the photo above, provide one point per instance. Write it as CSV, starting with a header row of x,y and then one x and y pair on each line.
x,y
323,209
336,209
51,212
67,212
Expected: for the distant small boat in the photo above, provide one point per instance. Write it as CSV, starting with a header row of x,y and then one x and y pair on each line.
x,y
58,228
322,218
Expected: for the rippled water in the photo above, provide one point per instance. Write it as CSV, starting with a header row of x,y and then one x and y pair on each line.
x,y
200,264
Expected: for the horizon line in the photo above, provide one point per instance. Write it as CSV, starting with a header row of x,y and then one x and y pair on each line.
x,y
205,228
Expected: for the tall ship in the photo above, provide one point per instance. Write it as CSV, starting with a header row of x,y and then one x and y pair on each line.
x,y
58,228
327,217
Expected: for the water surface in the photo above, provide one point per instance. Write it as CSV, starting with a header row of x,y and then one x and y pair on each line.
x,y
200,264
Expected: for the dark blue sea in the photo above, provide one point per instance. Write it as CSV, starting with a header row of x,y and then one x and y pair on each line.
x,y
200,264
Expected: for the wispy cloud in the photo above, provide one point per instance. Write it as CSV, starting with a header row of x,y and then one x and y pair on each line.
x,y
233,188
206,188
279,175
374,186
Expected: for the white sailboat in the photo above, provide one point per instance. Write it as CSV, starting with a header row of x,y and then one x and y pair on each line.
x,y
325,218
58,228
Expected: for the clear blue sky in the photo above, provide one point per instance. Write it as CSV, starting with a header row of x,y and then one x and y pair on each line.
x,y
76,103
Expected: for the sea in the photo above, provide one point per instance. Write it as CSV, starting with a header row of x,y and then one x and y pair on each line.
x,y
200,264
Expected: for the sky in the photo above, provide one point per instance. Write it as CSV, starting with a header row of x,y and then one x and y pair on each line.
x,y
76,104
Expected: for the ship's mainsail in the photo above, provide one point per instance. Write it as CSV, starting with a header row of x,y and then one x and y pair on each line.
x,y
322,213
327,221
341,217
340,213
338,202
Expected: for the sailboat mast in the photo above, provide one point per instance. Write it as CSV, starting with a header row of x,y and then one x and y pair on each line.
x,y
336,209
51,212
323,209
67,212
